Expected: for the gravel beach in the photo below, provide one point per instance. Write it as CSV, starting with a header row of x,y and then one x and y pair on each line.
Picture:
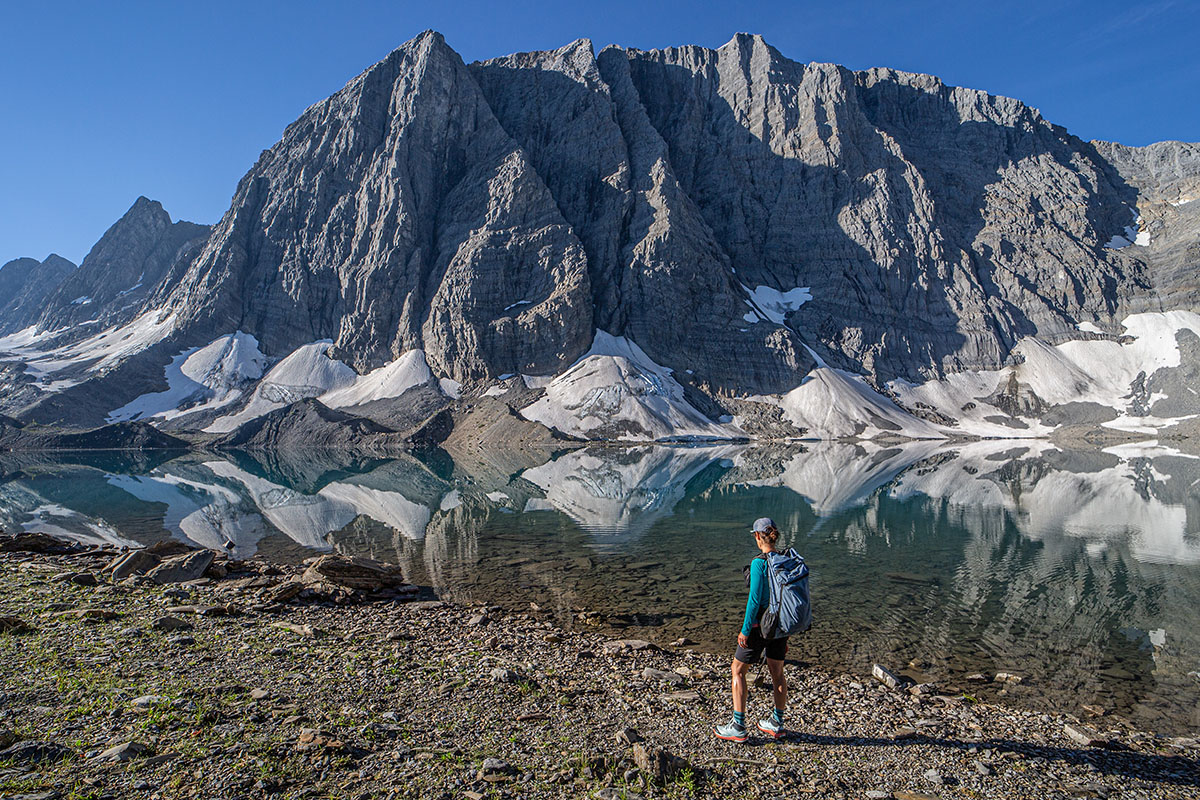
x,y
261,680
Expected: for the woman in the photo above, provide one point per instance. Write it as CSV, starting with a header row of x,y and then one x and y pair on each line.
x,y
751,645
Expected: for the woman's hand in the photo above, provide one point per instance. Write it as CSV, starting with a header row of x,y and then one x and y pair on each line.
x,y
743,641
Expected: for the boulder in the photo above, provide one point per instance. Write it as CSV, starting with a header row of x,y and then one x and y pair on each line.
x,y
27,542
354,573
287,591
656,763
33,751
181,568
135,562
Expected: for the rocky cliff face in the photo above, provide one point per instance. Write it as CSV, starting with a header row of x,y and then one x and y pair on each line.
x,y
733,222
25,283
122,269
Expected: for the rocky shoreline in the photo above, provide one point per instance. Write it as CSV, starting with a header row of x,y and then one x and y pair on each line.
x,y
189,675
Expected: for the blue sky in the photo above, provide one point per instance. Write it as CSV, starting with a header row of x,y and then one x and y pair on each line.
x,y
105,101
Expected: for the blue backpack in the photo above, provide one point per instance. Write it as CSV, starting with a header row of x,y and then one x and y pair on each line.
x,y
790,609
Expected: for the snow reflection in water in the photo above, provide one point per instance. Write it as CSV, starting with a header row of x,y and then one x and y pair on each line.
x,y
1077,569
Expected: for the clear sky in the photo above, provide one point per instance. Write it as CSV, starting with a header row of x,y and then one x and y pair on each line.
x,y
105,101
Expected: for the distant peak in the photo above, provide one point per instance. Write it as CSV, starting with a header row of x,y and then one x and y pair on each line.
x,y
578,44
145,207
56,259
746,40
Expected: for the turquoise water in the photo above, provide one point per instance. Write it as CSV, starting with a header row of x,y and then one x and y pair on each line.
x,y
1079,571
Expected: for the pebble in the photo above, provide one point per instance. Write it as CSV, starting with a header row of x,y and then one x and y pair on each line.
x,y
885,676
1085,735
171,624
494,770
662,676
504,675
125,751
628,736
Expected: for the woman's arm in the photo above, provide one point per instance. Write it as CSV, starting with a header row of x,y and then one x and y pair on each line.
x,y
759,594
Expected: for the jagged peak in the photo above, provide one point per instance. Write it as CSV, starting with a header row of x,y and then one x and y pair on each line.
x,y
575,51
746,41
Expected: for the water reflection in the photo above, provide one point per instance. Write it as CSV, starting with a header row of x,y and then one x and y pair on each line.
x,y
1077,569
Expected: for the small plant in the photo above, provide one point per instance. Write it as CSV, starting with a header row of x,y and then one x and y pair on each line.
x,y
685,780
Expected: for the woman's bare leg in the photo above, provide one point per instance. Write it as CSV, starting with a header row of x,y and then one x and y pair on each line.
x,y
779,688
739,685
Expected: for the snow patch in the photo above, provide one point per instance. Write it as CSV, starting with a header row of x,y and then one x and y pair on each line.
x,y
98,353
1078,371
200,379
390,380
774,305
1088,327
1133,235
307,372
834,404
451,501
617,391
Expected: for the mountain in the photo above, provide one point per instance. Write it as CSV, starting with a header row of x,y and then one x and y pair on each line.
x,y
25,283
636,244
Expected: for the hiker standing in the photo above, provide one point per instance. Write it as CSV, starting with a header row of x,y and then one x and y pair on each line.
x,y
751,639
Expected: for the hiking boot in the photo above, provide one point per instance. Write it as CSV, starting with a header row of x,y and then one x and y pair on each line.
x,y
731,732
770,727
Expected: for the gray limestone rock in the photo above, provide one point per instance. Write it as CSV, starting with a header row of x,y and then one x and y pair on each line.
x,y
24,285
310,425
181,568
495,215
122,269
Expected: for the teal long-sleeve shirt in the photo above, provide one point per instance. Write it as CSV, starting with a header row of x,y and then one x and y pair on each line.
x,y
760,594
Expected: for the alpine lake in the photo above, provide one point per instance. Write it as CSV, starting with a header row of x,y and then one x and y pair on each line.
x,y
1076,570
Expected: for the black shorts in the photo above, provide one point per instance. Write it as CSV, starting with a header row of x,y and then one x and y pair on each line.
x,y
776,648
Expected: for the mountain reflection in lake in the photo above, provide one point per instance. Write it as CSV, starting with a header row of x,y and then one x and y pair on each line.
x,y
1079,570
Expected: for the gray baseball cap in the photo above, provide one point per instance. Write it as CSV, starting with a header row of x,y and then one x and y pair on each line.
x,y
763,524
